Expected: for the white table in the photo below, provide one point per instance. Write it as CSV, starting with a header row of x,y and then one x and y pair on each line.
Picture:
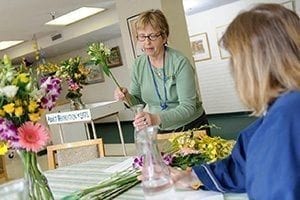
x,y
91,113
65,180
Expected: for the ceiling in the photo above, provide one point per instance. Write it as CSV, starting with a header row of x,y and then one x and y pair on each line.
x,y
21,20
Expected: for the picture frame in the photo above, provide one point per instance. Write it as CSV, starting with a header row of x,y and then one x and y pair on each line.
x,y
115,59
289,5
137,51
200,47
96,75
220,30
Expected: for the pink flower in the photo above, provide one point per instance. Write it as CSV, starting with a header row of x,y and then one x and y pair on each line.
x,y
33,137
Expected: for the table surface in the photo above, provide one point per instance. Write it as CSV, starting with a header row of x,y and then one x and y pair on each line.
x,y
65,180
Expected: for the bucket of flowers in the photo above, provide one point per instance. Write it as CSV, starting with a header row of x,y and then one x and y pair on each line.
x,y
184,149
22,103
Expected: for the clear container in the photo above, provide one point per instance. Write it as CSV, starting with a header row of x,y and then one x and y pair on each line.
x,y
157,182
139,135
14,190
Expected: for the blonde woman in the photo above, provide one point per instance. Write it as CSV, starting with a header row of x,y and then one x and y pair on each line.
x,y
163,79
264,44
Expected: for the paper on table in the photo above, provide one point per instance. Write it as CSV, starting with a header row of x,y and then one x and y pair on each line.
x,y
120,166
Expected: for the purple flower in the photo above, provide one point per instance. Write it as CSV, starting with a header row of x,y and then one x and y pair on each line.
x,y
8,132
167,158
51,87
138,162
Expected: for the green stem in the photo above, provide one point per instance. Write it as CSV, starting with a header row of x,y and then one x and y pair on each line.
x,y
120,88
37,182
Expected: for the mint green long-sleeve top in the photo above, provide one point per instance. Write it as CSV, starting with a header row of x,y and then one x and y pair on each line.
x,y
184,105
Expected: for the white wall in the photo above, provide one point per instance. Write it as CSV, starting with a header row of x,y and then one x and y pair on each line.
x,y
216,85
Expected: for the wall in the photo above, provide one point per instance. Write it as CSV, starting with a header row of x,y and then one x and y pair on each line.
x,y
217,87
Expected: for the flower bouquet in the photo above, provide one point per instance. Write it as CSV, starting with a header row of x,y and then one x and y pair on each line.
x,y
75,73
99,55
22,102
188,149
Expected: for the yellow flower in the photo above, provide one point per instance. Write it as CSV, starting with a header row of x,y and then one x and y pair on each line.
x,y
19,111
18,102
2,113
34,117
9,108
3,148
23,78
33,105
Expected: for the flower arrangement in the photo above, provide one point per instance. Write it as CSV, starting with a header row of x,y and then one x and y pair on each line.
x,y
99,54
183,150
75,73
22,103
188,149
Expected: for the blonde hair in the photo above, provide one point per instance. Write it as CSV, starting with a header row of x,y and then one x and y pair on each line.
x,y
264,44
154,18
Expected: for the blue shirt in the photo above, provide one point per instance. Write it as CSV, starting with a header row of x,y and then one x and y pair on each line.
x,y
265,161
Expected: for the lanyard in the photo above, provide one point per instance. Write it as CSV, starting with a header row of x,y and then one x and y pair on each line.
x,y
163,104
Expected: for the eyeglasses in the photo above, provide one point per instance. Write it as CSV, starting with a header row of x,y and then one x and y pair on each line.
x,y
151,37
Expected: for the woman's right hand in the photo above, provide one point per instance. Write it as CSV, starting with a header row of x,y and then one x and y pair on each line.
x,y
120,93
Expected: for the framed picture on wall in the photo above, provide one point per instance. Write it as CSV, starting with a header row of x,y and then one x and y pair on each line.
x,y
114,60
132,33
96,75
220,31
200,47
289,4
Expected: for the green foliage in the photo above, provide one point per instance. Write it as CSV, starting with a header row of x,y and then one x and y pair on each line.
x,y
189,160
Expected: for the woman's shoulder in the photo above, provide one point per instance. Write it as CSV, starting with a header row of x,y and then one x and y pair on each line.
x,y
287,103
140,61
175,54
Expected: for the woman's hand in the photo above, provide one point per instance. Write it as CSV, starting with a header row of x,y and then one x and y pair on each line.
x,y
185,179
144,119
119,94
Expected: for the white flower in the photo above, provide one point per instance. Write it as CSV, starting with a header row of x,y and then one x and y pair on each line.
x,y
9,76
9,91
38,94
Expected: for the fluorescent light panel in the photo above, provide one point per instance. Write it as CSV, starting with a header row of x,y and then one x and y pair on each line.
x,y
7,44
75,15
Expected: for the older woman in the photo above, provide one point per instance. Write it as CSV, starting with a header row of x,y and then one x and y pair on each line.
x,y
163,79
264,44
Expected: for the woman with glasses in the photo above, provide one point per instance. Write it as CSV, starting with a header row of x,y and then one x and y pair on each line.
x,y
163,79
264,44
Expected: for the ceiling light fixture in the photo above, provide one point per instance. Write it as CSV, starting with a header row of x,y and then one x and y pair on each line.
x,y
7,44
74,16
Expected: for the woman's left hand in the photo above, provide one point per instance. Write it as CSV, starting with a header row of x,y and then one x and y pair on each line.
x,y
144,119
185,179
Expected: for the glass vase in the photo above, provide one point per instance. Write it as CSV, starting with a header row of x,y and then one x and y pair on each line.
x,y
76,104
157,182
139,135
38,187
